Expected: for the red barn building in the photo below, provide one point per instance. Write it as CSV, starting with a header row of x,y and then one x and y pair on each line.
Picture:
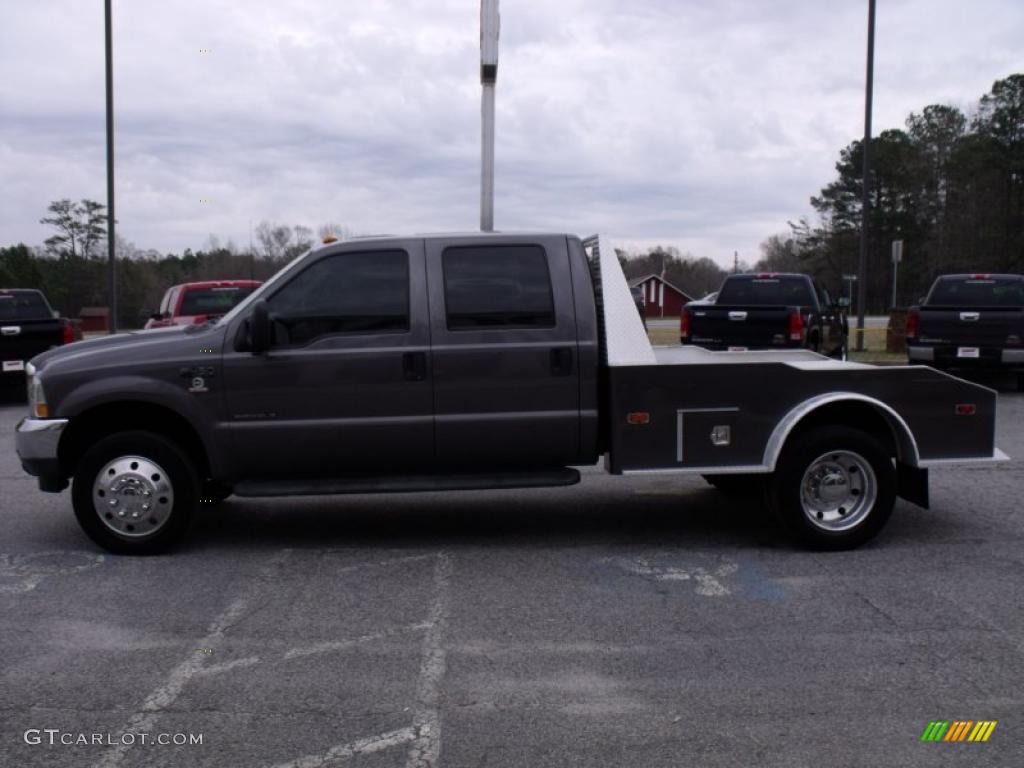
x,y
661,298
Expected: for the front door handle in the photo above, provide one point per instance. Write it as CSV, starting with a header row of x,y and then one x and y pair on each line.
x,y
414,366
561,362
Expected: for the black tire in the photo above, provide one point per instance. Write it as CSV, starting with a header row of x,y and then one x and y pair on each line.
x,y
170,492
846,504
843,353
736,485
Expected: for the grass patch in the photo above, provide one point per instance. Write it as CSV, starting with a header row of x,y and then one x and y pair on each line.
x,y
879,357
663,336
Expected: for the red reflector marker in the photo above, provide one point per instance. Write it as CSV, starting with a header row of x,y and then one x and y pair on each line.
x,y
966,409
640,417
913,322
796,327
684,325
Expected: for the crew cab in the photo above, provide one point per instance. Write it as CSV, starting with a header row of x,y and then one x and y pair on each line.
x,y
27,327
969,322
198,302
767,311
472,361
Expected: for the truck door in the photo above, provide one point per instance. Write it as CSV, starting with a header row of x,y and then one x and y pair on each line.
x,y
345,388
504,353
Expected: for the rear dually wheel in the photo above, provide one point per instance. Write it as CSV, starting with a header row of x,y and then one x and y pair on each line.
x,y
834,487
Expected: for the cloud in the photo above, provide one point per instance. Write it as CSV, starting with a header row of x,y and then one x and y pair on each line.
x,y
705,125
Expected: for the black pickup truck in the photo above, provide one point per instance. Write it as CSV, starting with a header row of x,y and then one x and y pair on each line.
x,y
767,311
27,327
969,322
472,361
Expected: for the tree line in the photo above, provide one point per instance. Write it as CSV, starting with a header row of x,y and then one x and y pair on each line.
x,y
950,185
694,276
70,268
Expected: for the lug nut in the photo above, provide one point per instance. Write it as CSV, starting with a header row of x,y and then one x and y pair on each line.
x,y
113,502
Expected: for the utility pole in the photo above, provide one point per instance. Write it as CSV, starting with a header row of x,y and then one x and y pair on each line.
x,y
735,262
111,239
490,26
862,266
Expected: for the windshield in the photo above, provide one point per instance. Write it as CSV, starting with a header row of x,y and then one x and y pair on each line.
x,y
262,290
24,305
790,291
977,292
213,301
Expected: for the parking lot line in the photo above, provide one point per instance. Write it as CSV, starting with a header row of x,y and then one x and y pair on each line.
x,y
339,645
165,695
426,746
358,747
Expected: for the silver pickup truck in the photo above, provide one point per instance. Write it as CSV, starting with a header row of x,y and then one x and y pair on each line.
x,y
467,362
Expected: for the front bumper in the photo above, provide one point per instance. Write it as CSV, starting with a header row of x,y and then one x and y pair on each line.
x,y
36,441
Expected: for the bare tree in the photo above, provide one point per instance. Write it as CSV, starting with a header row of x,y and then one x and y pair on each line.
x,y
80,226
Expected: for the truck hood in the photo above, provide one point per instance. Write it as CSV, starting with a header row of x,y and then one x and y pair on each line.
x,y
145,344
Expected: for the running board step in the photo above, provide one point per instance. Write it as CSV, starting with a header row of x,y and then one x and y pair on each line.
x,y
409,483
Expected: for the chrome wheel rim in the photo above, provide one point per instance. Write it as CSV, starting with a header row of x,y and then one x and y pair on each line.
x,y
133,496
838,490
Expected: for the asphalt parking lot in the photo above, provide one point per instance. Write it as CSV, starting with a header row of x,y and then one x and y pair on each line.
x,y
648,622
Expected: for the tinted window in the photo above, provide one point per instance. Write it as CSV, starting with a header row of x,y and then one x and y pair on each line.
x,y
766,291
498,287
212,301
346,293
23,305
977,292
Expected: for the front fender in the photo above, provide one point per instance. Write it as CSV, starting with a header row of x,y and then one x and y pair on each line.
x,y
198,411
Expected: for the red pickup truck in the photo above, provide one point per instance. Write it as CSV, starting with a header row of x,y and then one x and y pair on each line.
x,y
190,303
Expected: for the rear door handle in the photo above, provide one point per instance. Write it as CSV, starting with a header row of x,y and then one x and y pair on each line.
x,y
414,366
970,316
561,362
737,315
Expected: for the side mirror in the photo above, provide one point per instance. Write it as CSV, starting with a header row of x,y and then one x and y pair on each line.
x,y
844,302
156,316
259,327
56,314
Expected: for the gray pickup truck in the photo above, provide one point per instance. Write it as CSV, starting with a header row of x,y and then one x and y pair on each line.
x,y
468,362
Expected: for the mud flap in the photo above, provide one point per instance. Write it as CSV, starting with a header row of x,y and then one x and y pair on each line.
x,y
912,484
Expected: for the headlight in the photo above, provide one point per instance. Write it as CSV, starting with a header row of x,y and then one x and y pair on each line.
x,y
36,397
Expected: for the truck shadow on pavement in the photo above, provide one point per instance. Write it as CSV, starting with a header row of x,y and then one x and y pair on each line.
x,y
691,517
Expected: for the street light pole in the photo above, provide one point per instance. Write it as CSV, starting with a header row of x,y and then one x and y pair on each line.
x,y
862,267
111,240
490,24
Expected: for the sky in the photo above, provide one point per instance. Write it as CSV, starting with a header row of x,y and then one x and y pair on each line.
x,y
700,124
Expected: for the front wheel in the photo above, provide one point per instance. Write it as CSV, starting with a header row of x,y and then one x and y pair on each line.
x,y
834,487
134,493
